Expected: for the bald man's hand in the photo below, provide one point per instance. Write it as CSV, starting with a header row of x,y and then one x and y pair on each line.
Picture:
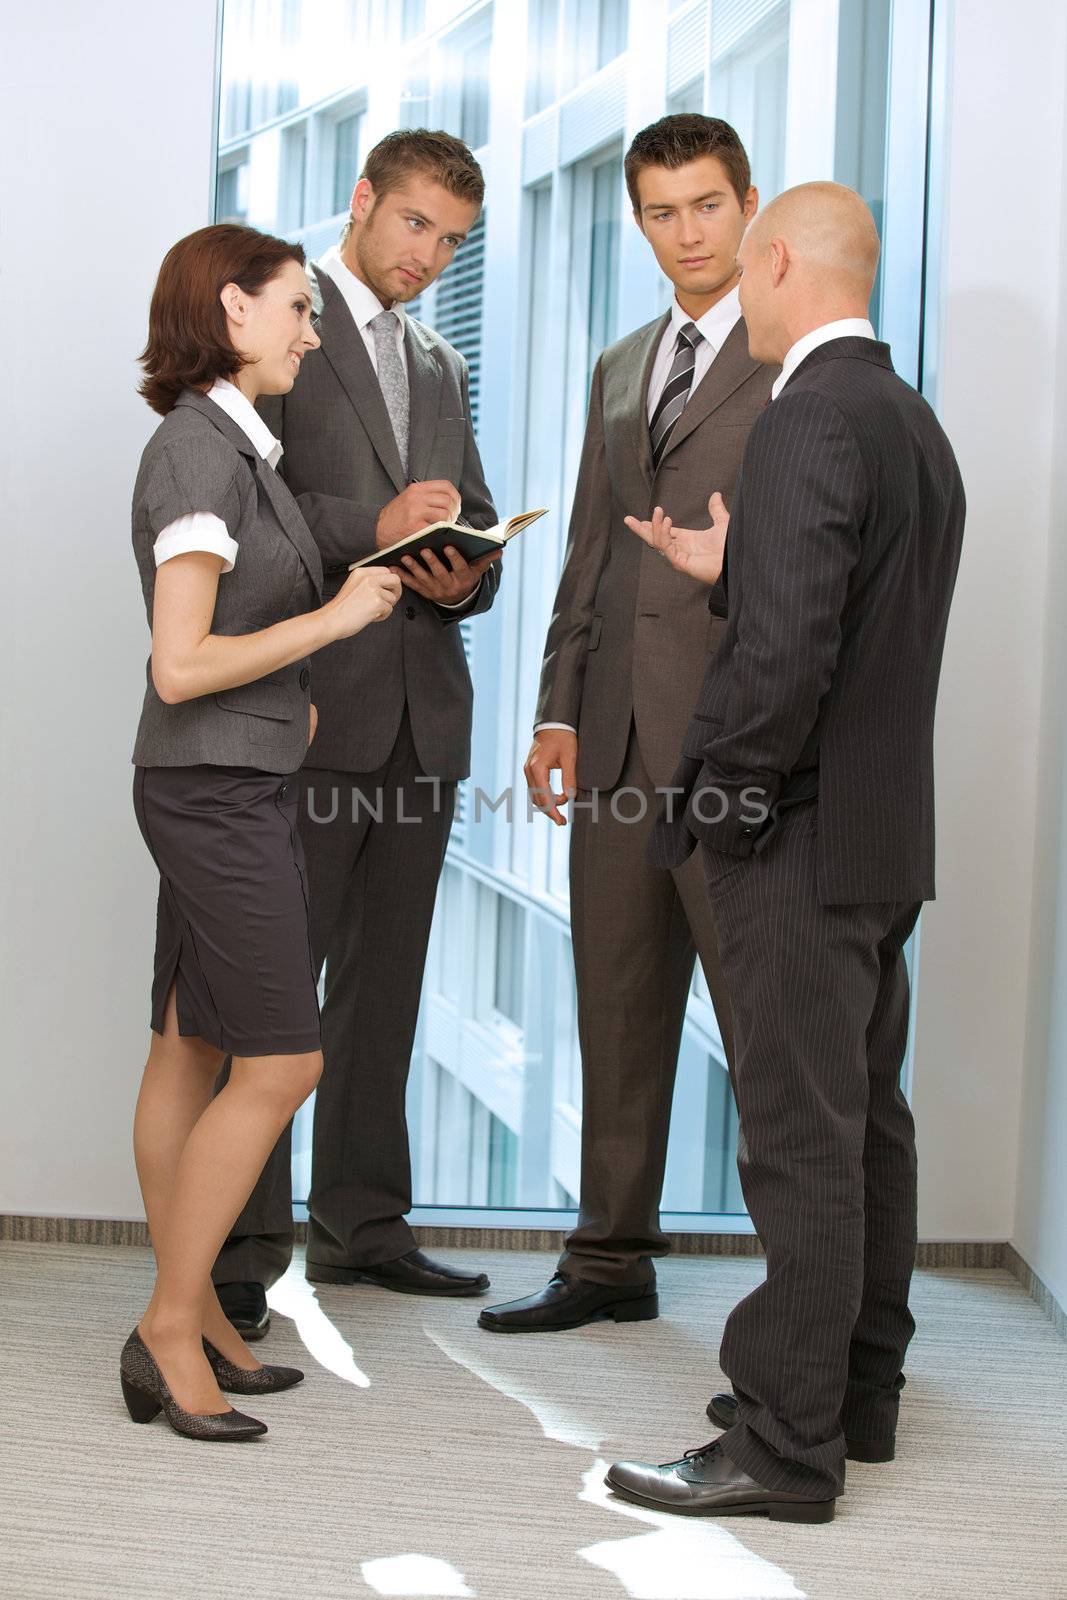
x,y
698,552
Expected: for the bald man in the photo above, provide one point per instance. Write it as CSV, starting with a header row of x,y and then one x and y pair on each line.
x,y
807,782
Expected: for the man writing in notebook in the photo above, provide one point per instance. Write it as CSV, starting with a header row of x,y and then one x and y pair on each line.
x,y
379,442
669,413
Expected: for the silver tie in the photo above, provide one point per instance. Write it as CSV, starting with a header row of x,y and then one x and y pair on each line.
x,y
672,401
393,378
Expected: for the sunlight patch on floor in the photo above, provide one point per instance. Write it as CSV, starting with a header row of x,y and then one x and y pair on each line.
x,y
555,1420
294,1297
413,1575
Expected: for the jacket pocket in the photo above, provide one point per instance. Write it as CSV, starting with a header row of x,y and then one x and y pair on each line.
x,y
594,632
273,700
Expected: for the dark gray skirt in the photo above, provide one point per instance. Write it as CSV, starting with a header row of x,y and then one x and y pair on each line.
x,y
232,919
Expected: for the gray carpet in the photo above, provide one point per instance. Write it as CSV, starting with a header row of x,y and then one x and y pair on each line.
x,y
425,1457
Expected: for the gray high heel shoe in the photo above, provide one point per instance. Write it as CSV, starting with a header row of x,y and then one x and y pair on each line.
x,y
146,1394
238,1380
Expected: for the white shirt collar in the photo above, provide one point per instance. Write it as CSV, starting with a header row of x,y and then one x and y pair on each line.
x,y
716,325
845,328
361,301
228,397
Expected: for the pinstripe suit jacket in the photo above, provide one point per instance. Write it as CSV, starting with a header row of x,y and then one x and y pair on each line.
x,y
342,465
843,549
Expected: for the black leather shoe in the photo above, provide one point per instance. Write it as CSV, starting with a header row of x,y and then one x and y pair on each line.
x,y
567,1302
722,1409
245,1305
706,1483
410,1274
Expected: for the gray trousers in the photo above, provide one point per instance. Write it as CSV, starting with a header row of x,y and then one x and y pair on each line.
x,y
636,932
372,888
826,1154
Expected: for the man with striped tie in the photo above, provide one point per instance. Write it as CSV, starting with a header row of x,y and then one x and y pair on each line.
x,y
670,409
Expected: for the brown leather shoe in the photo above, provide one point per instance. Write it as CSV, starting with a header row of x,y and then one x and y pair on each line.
x,y
706,1483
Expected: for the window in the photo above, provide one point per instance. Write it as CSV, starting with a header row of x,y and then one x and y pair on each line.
x,y
606,202
541,54
495,1089
346,159
413,18
474,94
292,200
510,959
457,313
599,36
231,194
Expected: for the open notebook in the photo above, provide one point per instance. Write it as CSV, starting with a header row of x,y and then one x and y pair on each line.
x,y
470,542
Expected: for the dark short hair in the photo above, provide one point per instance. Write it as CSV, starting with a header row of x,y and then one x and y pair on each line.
x,y
432,154
188,341
675,141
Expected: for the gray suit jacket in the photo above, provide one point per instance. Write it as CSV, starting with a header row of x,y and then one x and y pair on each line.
x,y
341,463
630,637
199,460
841,561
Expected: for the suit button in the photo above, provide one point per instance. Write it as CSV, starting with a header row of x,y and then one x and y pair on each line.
x,y
305,678
283,792
409,612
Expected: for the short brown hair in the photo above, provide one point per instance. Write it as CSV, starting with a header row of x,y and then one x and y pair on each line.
x,y
675,141
433,154
188,341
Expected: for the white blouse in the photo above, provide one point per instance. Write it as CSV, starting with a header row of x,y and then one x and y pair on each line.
x,y
203,530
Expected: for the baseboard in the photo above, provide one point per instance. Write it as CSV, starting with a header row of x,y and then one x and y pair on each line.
x,y
944,1255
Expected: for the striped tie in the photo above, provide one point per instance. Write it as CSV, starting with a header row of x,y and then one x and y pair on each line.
x,y
672,401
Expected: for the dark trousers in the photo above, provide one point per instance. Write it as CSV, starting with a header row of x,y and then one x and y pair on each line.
x,y
374,845
635,932
826,1154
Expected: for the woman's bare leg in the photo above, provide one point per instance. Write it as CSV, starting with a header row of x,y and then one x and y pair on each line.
x,y
212,1171
177,1088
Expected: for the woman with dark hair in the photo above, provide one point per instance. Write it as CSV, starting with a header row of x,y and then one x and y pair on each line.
x,y
232,583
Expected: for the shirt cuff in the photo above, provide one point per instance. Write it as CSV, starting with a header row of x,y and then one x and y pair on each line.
x,y
564,725
197,530
461,605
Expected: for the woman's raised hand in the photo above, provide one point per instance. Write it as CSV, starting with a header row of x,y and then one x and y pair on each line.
x,y
368,595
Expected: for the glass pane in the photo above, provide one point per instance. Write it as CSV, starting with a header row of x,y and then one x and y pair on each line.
x,y
346,159
474,95
603,258
541,55
611,30
495,1090
413,17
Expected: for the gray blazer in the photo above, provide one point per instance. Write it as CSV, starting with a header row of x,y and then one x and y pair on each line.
x,y
199,460
630,637
841,562
341,463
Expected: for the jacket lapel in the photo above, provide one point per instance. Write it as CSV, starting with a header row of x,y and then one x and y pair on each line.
x,y
727,372
292,521
644,359
343,347
424,385
285,507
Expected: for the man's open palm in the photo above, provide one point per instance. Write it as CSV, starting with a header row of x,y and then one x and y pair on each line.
x,y
698,552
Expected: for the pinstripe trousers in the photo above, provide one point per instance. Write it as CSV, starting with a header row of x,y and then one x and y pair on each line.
x,y
826,1155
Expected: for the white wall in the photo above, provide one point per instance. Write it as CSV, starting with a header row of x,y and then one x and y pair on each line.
x,y
105,160
998,367
1041,1215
